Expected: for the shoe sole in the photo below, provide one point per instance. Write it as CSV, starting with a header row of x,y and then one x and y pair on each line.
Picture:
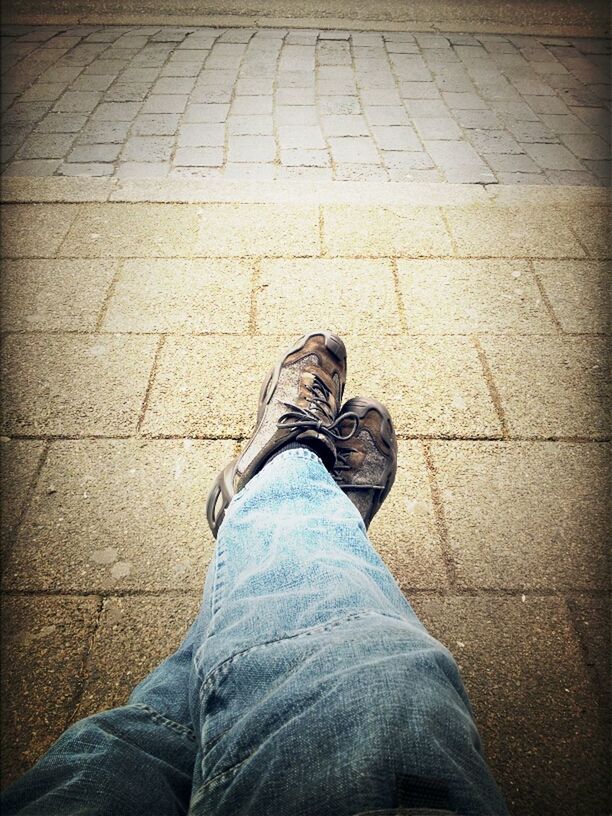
x,y
223,486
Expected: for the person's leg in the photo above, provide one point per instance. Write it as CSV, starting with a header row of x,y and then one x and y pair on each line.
x,y
135,760
316,689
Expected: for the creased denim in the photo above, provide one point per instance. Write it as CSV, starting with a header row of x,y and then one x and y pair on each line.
x,y
306,686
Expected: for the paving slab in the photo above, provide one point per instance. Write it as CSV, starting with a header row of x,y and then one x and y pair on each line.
x,y
67,384
50,295
383,231
433,386
34,230
524,516
134,635
512,232
347,296
559,390
181,296
45,638
128,230
129,514
578,293
188,398
247,230
19,462
405,531
536,708
466,296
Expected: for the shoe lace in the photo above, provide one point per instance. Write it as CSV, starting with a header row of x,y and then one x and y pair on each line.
x,y
319,416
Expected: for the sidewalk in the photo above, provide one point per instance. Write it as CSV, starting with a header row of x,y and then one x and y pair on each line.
x,y
475,311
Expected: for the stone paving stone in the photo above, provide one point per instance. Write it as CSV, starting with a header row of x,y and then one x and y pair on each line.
x,y
493,141
86,82
359,172
139,632
512,232
32,167
180,296
142,170
99,491
46,146
77,102
148,148
371,231
54,295
347,295
512,163
34,230
43,92
94,153
587,147
202,135
557,489
165,103
577,291
116,111
396,138
431,386
305,158
299,115
526,679
131,230
54,383
436,127
258,148
559,389
355,150
404,530
243,230
19,461
553,157
86,169
461,296
301,136
189,397
344,125
206,112
103,132
44,638
250,125
251,170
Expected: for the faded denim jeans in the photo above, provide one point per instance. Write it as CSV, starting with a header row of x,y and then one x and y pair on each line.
x,y
306,686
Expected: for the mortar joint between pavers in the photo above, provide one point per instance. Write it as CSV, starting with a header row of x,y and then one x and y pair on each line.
x,y
545,299
449,231
492,387
440,517
151,380
255,288
29,495
80,679
398,296
109,296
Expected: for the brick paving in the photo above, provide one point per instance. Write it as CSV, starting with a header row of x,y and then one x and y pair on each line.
x,y
118,319
154,101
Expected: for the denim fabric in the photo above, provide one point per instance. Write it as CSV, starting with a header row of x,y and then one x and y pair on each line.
x,y
306,686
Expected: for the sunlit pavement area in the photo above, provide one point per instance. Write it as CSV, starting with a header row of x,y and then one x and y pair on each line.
x,y
182,202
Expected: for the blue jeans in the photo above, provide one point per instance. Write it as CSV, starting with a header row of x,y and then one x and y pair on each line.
x,y
306,686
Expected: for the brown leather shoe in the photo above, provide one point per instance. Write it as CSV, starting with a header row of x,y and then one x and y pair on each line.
x,y
299,402
366,463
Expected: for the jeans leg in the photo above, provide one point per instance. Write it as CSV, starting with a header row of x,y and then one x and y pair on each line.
x,y
135,760
316,690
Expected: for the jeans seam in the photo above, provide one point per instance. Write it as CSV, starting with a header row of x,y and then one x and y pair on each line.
x,y
223,668
160,719
218,584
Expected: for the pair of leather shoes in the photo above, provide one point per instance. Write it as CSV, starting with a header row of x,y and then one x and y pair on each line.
x,y
301,402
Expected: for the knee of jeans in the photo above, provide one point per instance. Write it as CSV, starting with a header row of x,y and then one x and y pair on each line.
x,y
406,709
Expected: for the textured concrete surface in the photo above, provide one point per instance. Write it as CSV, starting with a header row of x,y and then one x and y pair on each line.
x,y
465,262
